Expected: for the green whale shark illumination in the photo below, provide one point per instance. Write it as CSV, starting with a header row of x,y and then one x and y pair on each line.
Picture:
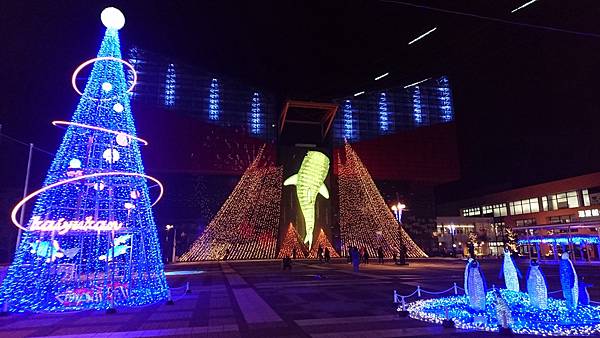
x,y
309,182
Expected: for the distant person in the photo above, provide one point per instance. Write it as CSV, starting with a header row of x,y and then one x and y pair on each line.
x,y
226,255
366,256
287,263
327,255
395,258
355,259
402,254
380,255
320,254
471,247
294,253
349,258
361,253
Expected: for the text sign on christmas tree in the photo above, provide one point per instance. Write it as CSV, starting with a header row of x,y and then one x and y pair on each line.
x,y
63,226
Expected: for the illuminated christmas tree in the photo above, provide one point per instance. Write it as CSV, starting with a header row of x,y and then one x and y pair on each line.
x,y
323,242
365,219
246,226
91,242
291,241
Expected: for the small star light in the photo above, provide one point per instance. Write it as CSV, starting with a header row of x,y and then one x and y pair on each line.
x,y
111,155
106,86
118,107
75,164
122,139
112,18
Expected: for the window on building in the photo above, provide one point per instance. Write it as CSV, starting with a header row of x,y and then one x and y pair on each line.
x,y
545,203
586,197
487,210
560,219
500,210
525,222
564,200
471,212
525,206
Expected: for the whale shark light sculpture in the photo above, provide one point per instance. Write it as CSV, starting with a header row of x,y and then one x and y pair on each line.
x,y
309,182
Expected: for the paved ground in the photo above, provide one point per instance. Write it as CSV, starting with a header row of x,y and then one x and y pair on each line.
x,y
258,299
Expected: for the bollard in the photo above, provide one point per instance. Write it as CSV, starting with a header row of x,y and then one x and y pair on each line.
x,y
403,312
447,323
169,298
4,311
187,288
455,289
419,290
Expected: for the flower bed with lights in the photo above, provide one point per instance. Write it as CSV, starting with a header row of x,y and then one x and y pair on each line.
x,y
555,320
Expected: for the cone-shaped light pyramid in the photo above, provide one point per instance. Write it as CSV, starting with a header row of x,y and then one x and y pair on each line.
x,y
365,219
322,242
91,241
291,241
246,225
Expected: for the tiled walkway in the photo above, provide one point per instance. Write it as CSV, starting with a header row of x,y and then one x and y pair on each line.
x,y
258,299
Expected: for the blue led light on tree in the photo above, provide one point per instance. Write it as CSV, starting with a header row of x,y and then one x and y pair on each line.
x,y
89,244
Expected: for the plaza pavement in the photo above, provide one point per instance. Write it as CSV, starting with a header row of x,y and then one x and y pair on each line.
x,y
258,299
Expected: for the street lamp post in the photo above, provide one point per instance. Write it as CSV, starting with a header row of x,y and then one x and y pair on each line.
x,y
169,227
397,209
452,231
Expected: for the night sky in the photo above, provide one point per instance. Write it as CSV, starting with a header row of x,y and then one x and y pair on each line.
x,y
526,100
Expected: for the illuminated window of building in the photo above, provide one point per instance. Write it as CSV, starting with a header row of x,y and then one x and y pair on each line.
x,y
487,210
471,212
525,206
545,203
586,197
500,210
560,219
564,200
525,222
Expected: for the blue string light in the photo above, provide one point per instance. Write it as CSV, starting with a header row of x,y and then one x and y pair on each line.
x,y
384,115
256,125
417,108
348,120
556,319
92,269
170,82
445,99
214,106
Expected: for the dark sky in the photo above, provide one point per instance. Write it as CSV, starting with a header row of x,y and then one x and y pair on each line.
x,y
526,100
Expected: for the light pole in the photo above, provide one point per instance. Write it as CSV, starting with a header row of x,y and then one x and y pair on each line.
x,y
397,209
452,231
169,227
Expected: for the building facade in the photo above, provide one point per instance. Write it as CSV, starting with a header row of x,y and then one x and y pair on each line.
x,y
543,220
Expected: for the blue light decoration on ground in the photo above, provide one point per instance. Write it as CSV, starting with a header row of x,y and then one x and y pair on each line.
x,y
170,83
445,97
417,108
557,319
214,105
348,120
91,241
384,114
255,115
